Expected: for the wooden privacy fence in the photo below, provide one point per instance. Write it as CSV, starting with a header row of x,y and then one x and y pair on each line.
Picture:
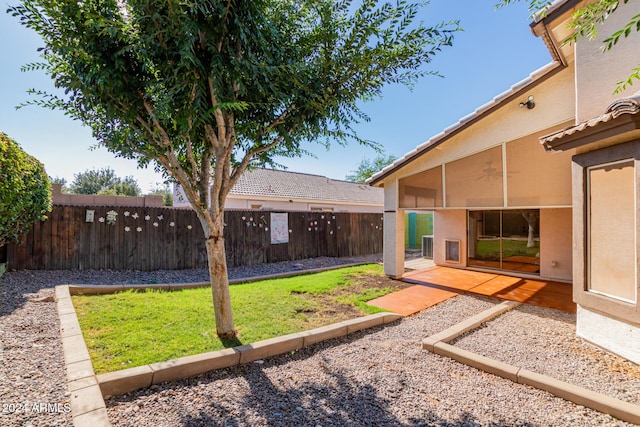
x,y
154,238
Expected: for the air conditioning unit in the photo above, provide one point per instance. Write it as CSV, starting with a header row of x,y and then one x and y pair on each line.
x,y
427,246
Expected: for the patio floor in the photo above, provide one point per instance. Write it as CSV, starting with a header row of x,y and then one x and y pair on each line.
x,y
436,284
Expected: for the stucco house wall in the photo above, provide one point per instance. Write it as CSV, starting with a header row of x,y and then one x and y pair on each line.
x,y
597,74
295,204
451,225
573,161
556,246
509,134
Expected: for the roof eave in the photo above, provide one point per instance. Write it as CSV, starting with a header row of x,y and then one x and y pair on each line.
x,y
537,78
620,129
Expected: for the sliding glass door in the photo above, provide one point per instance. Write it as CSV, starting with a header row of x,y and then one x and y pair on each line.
x,y
505,240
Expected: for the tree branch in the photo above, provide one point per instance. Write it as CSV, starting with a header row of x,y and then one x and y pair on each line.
x,y
165,141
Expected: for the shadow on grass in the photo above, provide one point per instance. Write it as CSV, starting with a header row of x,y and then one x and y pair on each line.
x,y
230,342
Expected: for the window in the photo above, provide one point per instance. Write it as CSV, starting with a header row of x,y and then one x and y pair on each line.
x,y
505,240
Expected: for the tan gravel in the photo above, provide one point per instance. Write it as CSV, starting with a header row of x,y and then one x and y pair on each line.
x,y
379,377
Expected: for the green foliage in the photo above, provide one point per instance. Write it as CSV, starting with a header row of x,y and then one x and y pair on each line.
x,y
534,5
104,182
207,89
25,191
368,167
165,191
121,331
202,86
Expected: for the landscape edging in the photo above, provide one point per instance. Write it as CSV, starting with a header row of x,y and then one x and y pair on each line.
x,y
87,403
438,344
127,380
112,289
85,386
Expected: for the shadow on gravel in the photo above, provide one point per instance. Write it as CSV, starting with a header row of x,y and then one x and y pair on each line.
x,y
274,393
15,287
340,401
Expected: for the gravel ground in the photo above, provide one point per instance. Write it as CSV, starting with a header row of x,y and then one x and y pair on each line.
x,y
512,339
379,377
32,375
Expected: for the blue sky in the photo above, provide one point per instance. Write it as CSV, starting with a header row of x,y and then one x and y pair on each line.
x,y
495,51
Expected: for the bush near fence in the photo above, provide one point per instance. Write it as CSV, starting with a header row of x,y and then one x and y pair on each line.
x,y
155,238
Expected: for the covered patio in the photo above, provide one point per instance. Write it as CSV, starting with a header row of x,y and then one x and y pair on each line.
x,y
436,284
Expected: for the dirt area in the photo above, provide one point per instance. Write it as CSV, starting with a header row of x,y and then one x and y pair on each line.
x,y
334,306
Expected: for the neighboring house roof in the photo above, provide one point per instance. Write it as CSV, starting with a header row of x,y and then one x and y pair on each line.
x,y
292,185
622,115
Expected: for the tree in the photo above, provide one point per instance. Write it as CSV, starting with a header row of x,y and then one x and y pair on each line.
x,y
25,191
368,167
165,191
58,180
208,89
585,21
104,181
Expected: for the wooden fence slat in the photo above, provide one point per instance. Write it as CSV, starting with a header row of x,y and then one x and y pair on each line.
x,y
67,241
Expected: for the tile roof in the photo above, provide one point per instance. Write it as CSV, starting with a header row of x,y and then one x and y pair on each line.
x,y
549,9
292,185
553,8
476,115
629,105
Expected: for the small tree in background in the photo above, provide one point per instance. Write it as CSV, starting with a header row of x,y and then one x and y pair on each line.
x,y
61,181
368,167
104,181
25,191
206,89
165,191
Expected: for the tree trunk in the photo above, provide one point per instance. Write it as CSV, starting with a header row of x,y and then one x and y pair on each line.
x,y
531,221
219,278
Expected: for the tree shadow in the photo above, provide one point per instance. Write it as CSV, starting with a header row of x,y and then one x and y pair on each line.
x,y
339,401
230,342
335,397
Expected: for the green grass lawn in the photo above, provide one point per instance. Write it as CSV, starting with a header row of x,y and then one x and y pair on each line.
x,y
490,249
131,328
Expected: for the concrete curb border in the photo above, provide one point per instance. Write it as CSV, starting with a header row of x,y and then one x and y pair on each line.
x,y
127,380
111,289
438,344
87,405
88,389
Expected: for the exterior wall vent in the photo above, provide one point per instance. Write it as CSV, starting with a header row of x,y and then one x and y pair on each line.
x,y
427,246
452,251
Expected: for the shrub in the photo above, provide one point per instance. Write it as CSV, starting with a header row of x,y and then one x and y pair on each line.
x,y
25,191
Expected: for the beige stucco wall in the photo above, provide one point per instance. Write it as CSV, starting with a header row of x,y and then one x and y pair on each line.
x,y
554,100
556,244
449,224
597,73
393,248
233,202
60,198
